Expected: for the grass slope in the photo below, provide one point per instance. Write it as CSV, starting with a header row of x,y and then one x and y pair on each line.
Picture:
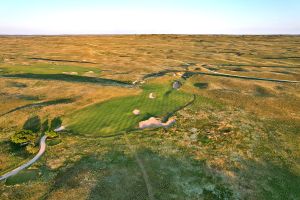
x,y
113,116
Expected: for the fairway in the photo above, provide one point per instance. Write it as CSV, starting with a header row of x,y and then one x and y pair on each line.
x,y
111,117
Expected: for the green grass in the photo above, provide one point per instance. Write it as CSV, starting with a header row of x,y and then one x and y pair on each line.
x,y
45,69
113,116
23,177
54,142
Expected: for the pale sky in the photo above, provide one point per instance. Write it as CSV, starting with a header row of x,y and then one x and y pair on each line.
x,y
149,17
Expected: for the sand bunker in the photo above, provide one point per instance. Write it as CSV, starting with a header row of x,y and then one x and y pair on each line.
x,y
71,73
90,74
151,96
136,112
156,123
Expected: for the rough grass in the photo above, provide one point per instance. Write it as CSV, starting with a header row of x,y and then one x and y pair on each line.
x,y
46,69
116,115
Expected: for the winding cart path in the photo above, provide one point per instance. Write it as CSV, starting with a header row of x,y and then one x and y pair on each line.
x,y
33,160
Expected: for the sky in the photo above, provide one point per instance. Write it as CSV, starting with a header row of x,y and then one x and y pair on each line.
x,y
52,17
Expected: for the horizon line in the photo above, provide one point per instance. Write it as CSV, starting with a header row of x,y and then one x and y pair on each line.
x,y
183,34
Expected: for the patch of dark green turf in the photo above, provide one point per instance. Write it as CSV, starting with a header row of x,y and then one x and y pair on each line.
x,y
23,177
72,78
201,85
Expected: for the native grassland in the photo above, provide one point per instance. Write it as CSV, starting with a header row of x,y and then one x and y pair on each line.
x,y
233,138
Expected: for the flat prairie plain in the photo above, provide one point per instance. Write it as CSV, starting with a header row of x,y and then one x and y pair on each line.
x,y
237,111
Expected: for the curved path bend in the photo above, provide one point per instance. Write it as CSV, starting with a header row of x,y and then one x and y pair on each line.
x,y
33,160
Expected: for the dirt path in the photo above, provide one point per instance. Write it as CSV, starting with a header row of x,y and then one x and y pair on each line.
x,y
33,160
142,168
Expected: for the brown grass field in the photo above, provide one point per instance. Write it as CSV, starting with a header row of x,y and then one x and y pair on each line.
x,y
238,139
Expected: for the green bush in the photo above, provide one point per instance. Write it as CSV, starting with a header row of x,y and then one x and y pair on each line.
x,y
24,137
51,134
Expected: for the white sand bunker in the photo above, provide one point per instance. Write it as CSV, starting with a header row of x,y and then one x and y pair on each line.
x,y
155,123
71,73
135,82
152,96
90,73
136,112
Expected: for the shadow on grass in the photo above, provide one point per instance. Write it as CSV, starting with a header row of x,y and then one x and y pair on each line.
x,y
20,96
201,85
13,149
257,66
159,74
33,124
116,175
41,104
17,84
71,78
282,58
262,92
187,75
61,60
55,123
269,181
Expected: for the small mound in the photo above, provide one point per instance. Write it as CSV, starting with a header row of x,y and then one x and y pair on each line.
x,y
239,69
262,92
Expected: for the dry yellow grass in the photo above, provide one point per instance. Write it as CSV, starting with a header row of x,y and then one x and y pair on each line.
x,y
129,57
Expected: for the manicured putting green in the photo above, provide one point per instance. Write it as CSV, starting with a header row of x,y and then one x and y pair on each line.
x,y
109,118
46,69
